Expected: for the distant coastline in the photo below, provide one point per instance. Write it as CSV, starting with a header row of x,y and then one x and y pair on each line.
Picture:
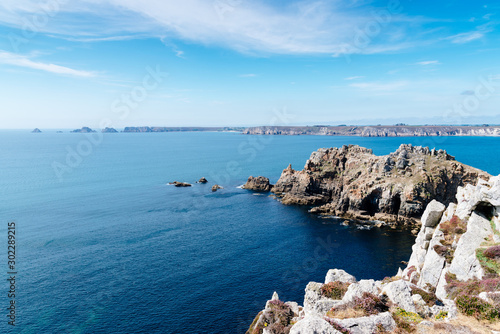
x,y
399,130
378,130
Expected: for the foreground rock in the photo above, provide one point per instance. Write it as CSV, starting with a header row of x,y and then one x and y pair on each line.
x,y
180,184
454,268
259,183
352,182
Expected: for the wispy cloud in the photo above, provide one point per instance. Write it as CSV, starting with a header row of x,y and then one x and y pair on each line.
x,y
379,86
466,37
303,27
428,62
249,75
23,61
354,77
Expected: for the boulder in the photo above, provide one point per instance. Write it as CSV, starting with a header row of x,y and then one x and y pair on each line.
x,y
356,289
339,275
368,325
313,325
202,180
432,213
399,292
259,183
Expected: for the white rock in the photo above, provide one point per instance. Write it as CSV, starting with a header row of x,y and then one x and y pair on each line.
x,y
484,296
339,275
432,213
356,289
313,325
418,300
368,325
465,263
399,292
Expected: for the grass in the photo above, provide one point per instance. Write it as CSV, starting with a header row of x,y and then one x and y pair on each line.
x,y
366,305
490,264
405,321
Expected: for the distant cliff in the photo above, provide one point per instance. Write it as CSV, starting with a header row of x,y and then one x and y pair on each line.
x,y
352,182
376,131
177,129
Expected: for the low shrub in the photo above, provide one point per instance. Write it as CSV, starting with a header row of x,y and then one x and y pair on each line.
x,y
334,290
490,265
429,297
472,287
405,321
492,252
441,315
476,307
277,320
370,304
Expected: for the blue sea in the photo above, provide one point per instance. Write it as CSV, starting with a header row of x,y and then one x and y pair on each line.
x,y
105,245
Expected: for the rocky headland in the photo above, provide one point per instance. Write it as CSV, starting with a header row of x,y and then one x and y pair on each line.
x,y
450,285
377,131
351,182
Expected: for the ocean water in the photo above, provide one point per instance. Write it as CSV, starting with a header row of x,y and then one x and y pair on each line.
x,y
104,245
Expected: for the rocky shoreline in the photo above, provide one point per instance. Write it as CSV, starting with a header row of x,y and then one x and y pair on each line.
x,y
451,281
353,183
376,131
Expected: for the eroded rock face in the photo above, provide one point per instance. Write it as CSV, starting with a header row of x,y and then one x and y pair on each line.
x,y
258,183
352,182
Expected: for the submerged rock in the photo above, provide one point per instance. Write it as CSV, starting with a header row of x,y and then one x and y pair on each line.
x,y
180,184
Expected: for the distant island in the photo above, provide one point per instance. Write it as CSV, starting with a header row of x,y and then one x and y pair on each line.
x,y
36,130
398,130
85,129
179,129
109,130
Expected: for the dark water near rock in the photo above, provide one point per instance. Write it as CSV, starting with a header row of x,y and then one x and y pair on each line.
x,y
110,248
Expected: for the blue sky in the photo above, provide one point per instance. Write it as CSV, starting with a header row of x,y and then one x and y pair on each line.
x,y
67,64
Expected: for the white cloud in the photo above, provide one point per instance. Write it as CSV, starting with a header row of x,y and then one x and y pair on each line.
x,y
429,62
379,86
466,37
303,27
354,78
23,61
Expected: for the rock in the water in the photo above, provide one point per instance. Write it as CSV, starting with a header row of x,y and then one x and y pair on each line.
x,y
339,275
313,325
202,180
180,184
36,130
109,130
216,187
259,183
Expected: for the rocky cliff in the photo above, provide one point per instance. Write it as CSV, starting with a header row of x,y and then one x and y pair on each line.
x,y
451,283
352,182
376,131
